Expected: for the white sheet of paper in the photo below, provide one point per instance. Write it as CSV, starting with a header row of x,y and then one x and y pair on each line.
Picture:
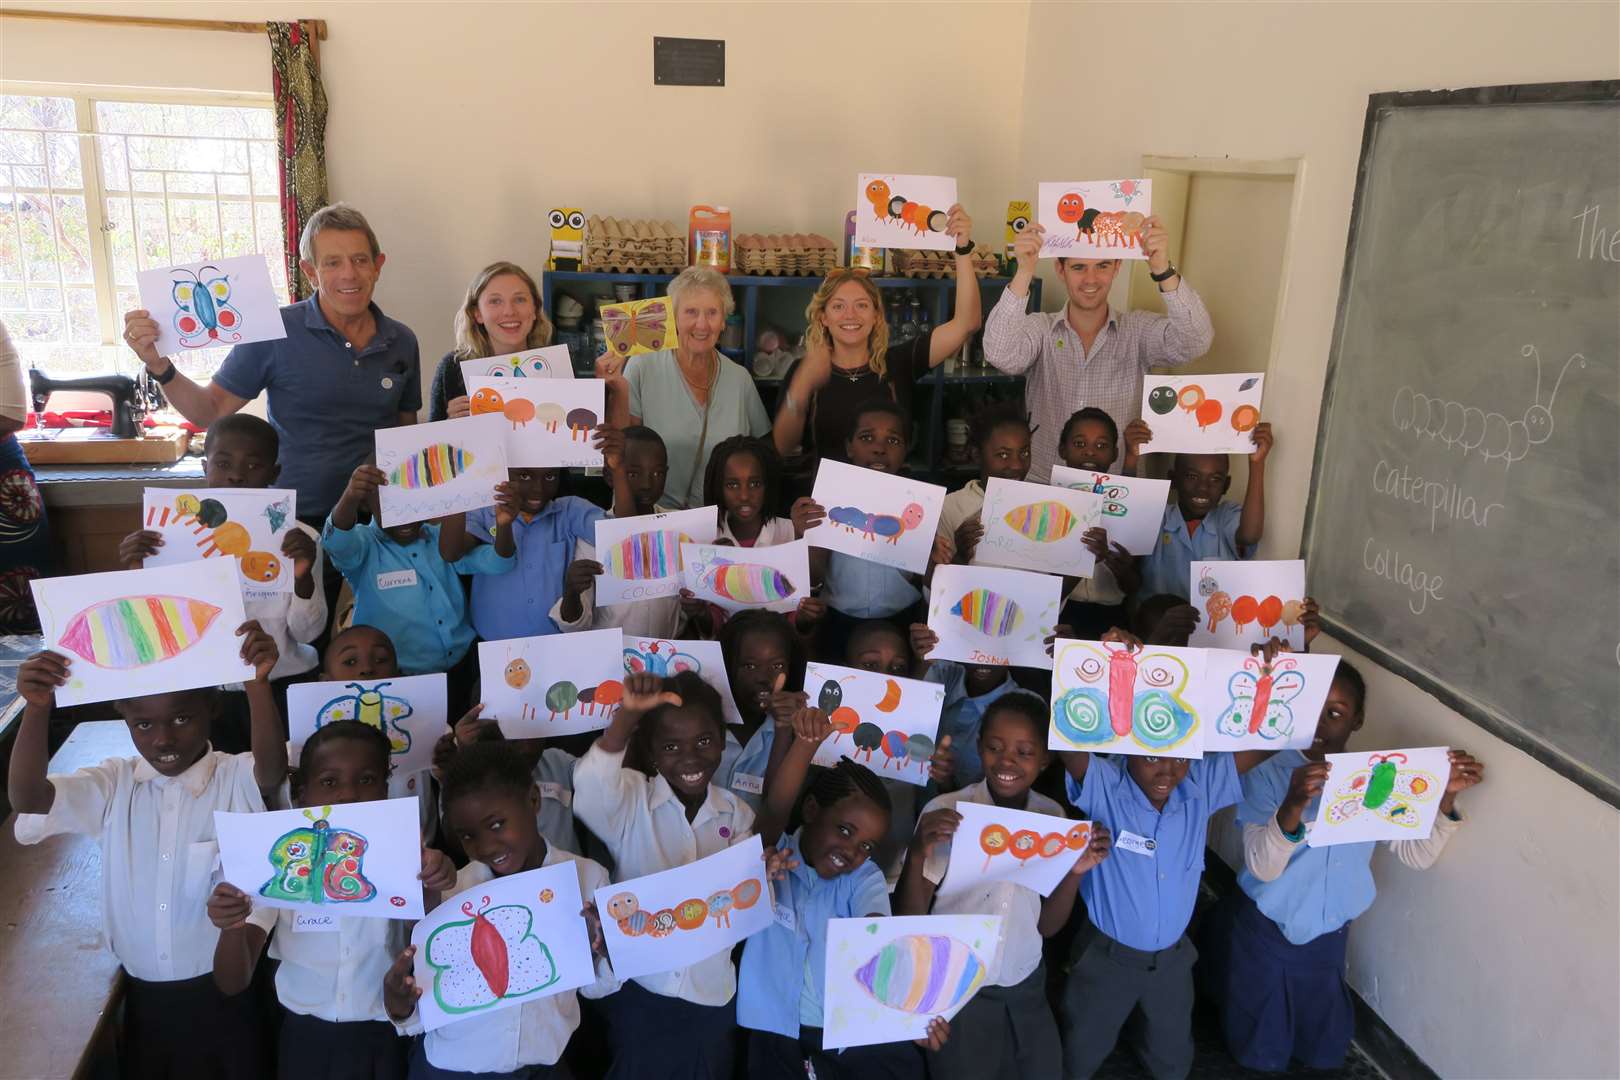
x,y
246,525
555,684
642,555
357,859
1037,527
211,305
876,516
893,210
546,362
1201,414
442,468
1250,707
549,422
934,965
661,656
410,709
1245,602
127,633
989,615
545,945
881,721
996,844
672,919
1093,219
1132,507
1111,699
1386,795
776,577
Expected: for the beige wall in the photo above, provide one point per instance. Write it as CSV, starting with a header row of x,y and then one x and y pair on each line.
x,y
456,126
1502,960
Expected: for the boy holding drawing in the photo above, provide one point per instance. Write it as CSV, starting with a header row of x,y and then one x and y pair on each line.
x,y
1198,525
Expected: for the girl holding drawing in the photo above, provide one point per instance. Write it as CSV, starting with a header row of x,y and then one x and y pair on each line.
x,y
501,314
1277,945
675,1024
828,874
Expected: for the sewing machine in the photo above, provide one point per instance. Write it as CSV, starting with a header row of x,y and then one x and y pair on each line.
x,y
119,388
122,441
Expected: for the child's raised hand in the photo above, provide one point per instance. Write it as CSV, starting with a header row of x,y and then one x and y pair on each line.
x,y
778,863
40,675
467,729
399,985
457,407
1466,771
1097,849
693,606
581,575
811,726
444,752
438,872
593,926
644,692
812,609
1137,435
1123,637
1310,620
1262,443
783,705
943,553
923,640
1095,540
939,1030
299,547
1061,630
1175,626
137,547
934,828
942,765
258,649
506,504
228,906
968,535
609,440
1268,650
363,484
1306,784
806,514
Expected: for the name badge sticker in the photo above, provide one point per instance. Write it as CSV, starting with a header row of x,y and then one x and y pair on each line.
x,y
307,923
397,579
1138,845
748,782
556,793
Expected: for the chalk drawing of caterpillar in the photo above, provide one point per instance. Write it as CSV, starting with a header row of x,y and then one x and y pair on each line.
x,y
872,526
896,208
1472,429
624,909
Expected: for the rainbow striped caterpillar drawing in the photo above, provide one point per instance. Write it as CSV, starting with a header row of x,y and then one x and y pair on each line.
x,y
431,466
317,864
646,555
1114,691
488,956
1042,522
749,584
135,631
988,612
923,974
625,910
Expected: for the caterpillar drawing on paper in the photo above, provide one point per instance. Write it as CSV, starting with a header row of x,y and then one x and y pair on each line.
x,y
135,631
897,209
431,466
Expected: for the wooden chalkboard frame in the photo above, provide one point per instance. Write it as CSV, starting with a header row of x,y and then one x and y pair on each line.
x,y
1378,105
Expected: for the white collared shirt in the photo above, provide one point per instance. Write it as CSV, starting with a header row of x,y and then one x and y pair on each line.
x,y
292,621
336,976
658,617
534,1033
1019,952
158,851
776,530
644,826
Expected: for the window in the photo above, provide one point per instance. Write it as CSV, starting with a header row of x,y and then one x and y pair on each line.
x,y
95,187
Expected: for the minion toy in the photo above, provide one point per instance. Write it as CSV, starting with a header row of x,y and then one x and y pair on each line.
x,y
1018,219
567,238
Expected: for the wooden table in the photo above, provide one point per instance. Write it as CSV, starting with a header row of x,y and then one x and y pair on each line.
x,y
63,984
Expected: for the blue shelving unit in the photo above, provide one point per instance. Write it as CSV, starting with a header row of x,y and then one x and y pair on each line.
x,y
937,293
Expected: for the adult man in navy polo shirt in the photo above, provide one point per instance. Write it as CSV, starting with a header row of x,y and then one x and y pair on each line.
x,y
344,369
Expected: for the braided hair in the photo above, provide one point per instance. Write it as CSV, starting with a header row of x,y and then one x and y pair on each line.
x,y
833,785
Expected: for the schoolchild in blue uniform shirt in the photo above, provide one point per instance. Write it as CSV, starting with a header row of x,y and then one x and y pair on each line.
x,y
1277,945
765,664
821,871
1199,526
1136,955
970,690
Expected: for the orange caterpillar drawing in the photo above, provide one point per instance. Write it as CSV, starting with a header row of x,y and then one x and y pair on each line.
x,y
1267,611
625,910
1105,228
889,207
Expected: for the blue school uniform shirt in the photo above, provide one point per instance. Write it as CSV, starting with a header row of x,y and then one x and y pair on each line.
x,y
777,960
325,397
1323,887
518,603
409,592
742,768
1141,900
866,590
962,714
1168,569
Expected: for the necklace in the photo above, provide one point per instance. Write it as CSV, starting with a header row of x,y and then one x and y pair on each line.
x,y
714,376
854,374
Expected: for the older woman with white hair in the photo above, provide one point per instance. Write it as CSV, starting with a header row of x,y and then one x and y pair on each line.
x,y
692,395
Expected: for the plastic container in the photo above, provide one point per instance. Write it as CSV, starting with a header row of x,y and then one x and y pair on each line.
x,y
708,236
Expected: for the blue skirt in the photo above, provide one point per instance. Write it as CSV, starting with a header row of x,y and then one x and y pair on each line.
x,y
1280,1001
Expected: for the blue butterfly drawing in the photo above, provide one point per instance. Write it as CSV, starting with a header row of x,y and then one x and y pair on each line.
x,y
205,317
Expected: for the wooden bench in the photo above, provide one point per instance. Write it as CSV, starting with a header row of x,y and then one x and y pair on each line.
x,y
65,984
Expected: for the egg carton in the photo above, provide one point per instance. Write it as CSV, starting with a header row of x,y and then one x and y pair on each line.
x,y
787,255
628,246
942,264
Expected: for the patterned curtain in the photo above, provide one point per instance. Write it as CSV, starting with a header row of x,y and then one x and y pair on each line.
x,y
301,119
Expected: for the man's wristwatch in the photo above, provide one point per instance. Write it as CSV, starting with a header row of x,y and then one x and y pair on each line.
x,y
166,376
967,248
1169,272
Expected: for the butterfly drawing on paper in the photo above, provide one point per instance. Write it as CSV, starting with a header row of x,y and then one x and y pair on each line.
x,y
658,658
490,955
1387,788
1259,697
317,864
1113,706
369,705
639,326
205,316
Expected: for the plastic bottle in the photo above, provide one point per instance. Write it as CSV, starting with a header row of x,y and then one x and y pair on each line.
x,y
708,237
